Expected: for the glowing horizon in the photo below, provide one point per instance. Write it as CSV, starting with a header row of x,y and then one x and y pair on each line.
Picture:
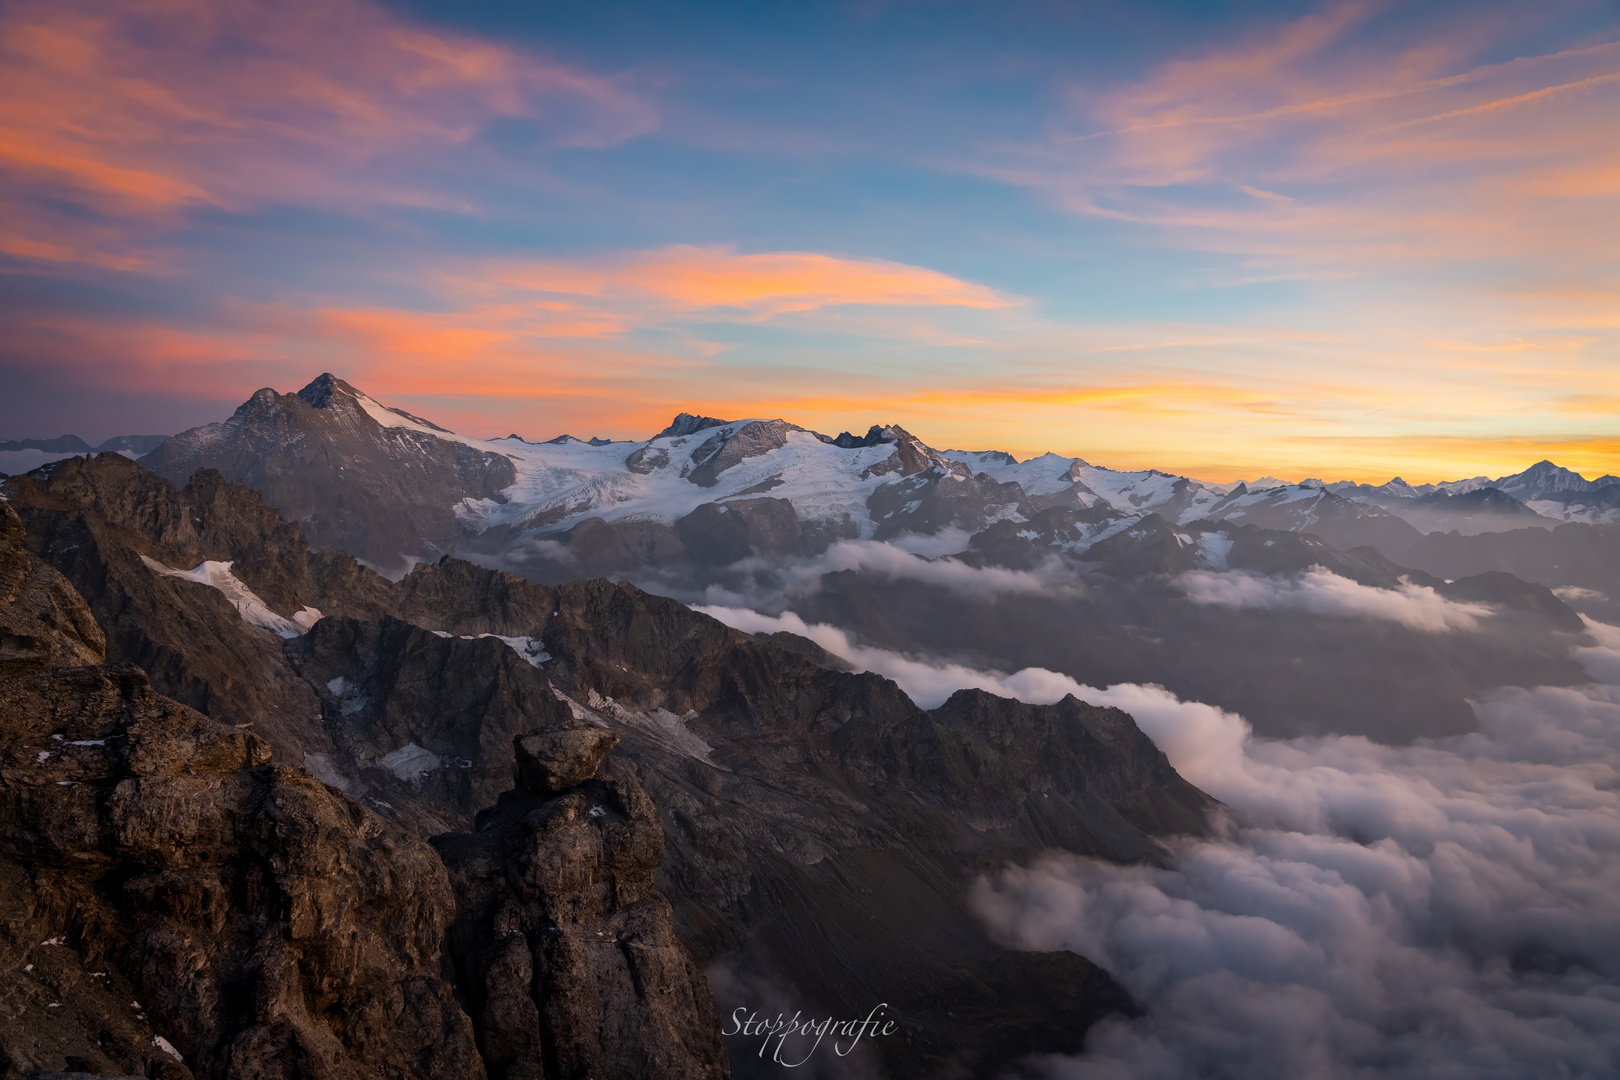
x,y
1346,240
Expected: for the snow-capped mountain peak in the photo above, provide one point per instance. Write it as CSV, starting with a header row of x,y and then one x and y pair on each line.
x,y
1544,479
349,466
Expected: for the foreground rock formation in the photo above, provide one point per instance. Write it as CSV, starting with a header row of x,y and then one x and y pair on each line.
x,y
173,903
564,951
177,905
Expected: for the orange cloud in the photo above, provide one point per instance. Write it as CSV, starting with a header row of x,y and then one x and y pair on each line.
x,y
139,109
686,278
1320,409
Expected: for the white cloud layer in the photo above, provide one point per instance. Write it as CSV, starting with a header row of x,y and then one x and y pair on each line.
x,y
1441,910
1321,592
774,582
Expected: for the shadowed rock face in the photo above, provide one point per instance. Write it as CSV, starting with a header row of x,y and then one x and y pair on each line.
x,y
383,493
551,762
822,830
175,906
564,951
420,723
42,620
94,520
716,455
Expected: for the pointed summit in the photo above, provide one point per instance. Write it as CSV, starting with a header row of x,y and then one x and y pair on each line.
x,y
319,392
1543,480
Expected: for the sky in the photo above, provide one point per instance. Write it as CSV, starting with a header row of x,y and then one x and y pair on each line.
x,y
1344,240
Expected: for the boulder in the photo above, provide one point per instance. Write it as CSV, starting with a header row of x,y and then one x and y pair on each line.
x,y
552,762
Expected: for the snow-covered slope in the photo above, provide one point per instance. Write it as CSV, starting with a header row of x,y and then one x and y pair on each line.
x,y
254,612
561,482
393,487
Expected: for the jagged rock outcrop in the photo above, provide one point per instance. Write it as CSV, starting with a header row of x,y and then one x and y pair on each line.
x,y
564,950
688,424
174,905
384,491
551,762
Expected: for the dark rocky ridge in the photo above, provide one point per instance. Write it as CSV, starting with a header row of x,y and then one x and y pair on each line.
x,y
384,493
244,920
94,519
831,802
164,882
822,830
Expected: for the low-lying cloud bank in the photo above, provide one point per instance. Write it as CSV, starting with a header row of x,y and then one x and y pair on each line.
x,y
1440,910
1446,909
771,581
894,561
1321,592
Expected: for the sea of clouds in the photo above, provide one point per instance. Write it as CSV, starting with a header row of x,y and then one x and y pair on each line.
x,y
1445,909
1321,592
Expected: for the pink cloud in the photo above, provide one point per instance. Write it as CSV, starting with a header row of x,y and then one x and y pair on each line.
x,y
1335,139
139,110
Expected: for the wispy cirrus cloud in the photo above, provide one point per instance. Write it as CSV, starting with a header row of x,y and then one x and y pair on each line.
x,y
1349,137
117,118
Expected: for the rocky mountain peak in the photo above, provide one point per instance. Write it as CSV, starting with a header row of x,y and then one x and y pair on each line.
x,y
1542,479
371,479
875,434
320,390
689,424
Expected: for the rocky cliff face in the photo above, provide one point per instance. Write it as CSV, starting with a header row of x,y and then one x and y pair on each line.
x,y
111,527
564,950
176,904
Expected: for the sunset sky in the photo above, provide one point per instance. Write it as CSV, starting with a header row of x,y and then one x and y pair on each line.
x,y
1347,240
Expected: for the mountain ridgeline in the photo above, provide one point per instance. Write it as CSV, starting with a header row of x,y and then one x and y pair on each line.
x,y
392,489
766,515
338,744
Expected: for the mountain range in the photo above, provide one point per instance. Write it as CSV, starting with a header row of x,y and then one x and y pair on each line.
x,y
323,453
543,757
393,488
